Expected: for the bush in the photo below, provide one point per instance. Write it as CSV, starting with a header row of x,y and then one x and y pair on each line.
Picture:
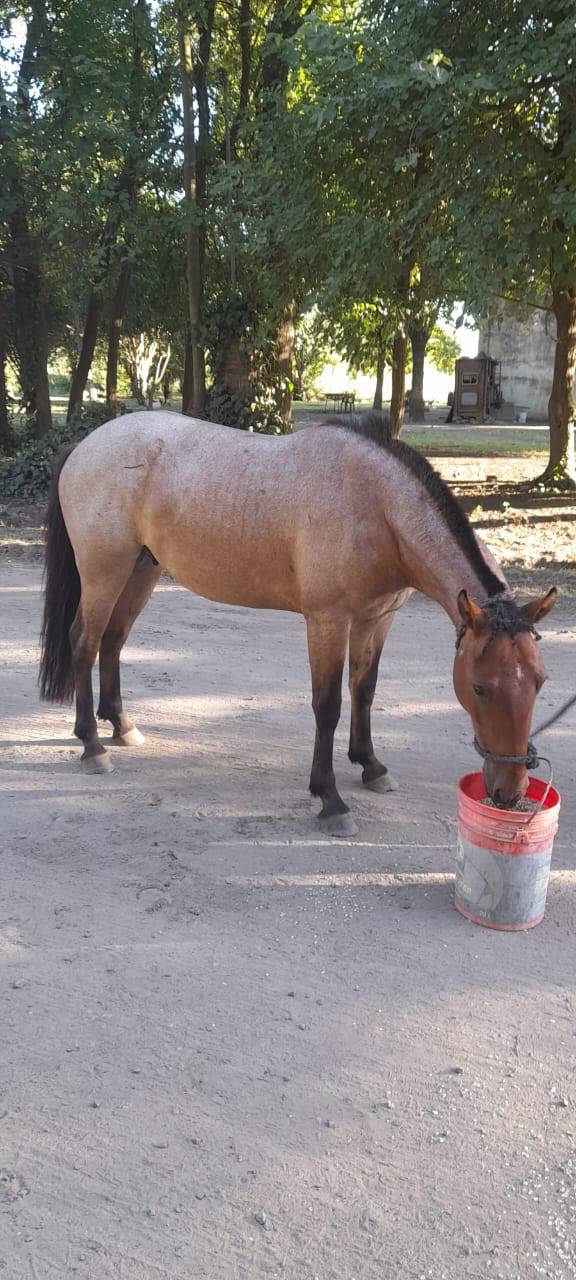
x,y
256,411
28,473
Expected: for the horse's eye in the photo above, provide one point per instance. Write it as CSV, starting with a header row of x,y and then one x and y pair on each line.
x,y
479,690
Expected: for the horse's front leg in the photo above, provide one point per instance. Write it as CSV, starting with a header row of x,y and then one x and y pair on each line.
x,y
366,641
327,641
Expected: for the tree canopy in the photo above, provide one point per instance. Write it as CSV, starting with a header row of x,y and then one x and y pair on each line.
x,y
203,173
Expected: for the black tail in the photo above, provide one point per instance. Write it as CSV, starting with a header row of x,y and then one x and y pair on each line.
x,y
61,599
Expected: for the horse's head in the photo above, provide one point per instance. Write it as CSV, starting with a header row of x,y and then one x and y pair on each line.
x,y
498,673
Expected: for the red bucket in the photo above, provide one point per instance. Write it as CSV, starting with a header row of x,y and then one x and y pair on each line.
x,y
503,861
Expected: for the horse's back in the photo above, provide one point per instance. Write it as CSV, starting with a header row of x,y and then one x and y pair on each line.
x,y
202,497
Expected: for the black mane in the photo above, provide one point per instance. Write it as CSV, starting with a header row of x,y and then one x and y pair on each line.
x,y
505,618
375,427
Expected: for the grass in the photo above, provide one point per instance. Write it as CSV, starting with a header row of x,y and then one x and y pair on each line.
x,y
502,442
437,439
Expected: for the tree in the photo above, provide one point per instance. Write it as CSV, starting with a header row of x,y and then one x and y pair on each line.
x,y
498,87
443,350
364,152
363,334
146,360
19,139
135,99
520,190
195,23
312,352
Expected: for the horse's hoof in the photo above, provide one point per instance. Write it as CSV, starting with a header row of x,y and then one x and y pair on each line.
x,y
100,763
382,784
340,825
131,738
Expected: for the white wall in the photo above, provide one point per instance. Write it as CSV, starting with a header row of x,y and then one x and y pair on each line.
x,y
526,350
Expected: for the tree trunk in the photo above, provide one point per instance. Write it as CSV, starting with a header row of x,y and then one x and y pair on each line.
x,y
89,337
245,43
188,379
233,370
43,408
194,247
283,340
4,420
380,366
31,338
30,323
398,382
419,342
561,469
123,201
117,310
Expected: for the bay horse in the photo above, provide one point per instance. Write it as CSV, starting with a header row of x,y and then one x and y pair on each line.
x,y
338,523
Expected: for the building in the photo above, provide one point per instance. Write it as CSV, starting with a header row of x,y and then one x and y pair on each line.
x,y
525,350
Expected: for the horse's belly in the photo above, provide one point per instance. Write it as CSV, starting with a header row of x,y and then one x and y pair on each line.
x,y
236,583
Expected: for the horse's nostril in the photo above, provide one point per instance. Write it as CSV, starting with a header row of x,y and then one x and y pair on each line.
x,y
506,802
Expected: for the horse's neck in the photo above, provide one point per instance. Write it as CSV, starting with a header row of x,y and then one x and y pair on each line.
x,y
434,561
449,575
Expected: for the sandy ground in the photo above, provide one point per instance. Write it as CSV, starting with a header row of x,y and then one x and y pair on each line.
x,y
234,1049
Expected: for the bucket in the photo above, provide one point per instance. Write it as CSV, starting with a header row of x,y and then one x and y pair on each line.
x,y
522,416
503,860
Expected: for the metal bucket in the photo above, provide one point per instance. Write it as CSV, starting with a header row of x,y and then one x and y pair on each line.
x,y
503,859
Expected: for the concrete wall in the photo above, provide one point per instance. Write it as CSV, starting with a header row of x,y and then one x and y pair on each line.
x,y
526,350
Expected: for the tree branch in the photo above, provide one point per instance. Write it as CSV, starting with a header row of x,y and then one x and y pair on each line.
x,y
522,302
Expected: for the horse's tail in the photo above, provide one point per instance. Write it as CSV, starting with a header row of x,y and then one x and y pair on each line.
x,y
61,599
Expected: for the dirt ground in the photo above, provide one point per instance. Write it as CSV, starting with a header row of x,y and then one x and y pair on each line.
x,y
234,1049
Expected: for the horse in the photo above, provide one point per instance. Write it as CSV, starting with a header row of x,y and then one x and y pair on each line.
x,y
338,522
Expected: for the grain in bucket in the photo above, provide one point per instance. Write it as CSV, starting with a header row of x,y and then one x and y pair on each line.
x,y
503,859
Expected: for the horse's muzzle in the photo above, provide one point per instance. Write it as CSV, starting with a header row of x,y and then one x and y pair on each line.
x,y
506,784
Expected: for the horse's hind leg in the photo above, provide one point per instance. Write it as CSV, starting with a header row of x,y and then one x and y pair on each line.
x,y
135,595
327,640
99,593
366,641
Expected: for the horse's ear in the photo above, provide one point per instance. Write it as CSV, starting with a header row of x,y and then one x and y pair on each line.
x,y
470,612
537,609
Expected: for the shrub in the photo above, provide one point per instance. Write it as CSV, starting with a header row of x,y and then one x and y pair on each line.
x,y
26,475
254,411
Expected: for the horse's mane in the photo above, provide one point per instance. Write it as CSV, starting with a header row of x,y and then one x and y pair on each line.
x,y
376,429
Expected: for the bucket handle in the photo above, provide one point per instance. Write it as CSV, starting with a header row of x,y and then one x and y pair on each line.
x,y
518,834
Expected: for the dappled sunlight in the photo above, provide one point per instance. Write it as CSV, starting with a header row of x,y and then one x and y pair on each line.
x,y
364,879
560,637
11,942
150,653
426,706
220,706
344,880
16,654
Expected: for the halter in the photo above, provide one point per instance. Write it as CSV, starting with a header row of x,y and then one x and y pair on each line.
x,y
531,760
